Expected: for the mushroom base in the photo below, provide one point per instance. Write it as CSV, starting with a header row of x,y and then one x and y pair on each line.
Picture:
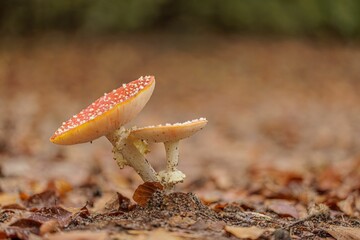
x,y
170,178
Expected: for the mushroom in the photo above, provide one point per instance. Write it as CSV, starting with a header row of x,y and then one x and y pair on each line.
x,y
170,135
105,117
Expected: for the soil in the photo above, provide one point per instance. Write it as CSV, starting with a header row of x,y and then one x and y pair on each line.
x,y
279,158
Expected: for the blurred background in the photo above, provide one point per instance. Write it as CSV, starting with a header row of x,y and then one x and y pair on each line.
x,y
278,81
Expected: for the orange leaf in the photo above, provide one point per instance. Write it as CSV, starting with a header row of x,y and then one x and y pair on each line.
x,y
145,191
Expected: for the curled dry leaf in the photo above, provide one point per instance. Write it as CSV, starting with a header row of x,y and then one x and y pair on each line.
x,y
246,232
145,191
343,233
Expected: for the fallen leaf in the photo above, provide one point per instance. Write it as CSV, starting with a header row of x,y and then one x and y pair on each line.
x,y
49,226
60,186
162,234
79,216
154,235
43,199
246,232
329,179
145,191
30,225
283,208
59,214
343,233
78,235
17,233
181,222
6,198
347,205
118,203
13,206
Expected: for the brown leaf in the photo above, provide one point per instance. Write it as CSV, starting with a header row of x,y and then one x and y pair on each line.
x,y
246,232
343,233
283,208
145,191
43,199
13,206
6,198
52,213
120,203
3,235
79,216
27,224
78,235
59,186
348,205
181,222
17,233
49,226
329,179
152,235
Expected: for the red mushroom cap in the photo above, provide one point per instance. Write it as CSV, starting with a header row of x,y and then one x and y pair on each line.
x,y
107,113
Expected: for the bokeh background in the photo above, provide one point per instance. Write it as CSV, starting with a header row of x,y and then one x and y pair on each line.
x,y
278,81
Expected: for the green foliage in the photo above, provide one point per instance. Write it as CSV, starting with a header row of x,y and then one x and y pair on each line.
x,y
115,15
289,17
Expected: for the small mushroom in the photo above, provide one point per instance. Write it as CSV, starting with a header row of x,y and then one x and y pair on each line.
x,y
105,116
170,135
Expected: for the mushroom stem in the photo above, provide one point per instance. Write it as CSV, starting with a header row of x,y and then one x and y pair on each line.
x,y
124,146
171,175
172,155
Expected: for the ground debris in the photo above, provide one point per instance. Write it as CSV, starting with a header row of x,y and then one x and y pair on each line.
x,y
282,151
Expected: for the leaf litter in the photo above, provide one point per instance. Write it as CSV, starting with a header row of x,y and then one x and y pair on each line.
x,y
280,160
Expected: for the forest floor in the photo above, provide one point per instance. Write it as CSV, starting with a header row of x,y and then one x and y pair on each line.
x,y
279,158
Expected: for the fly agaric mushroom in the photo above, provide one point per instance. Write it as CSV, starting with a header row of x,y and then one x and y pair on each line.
x,y
170,135
105,116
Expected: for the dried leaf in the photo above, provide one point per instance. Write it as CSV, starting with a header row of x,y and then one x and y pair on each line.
x,y
27,224
49,226
343,233
246,232
162,234
52,213
153,235
347,205
145,191
78,235
329,179
43,199
181,222
283,208
120,203
61,187
13,206
17,233
6,198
